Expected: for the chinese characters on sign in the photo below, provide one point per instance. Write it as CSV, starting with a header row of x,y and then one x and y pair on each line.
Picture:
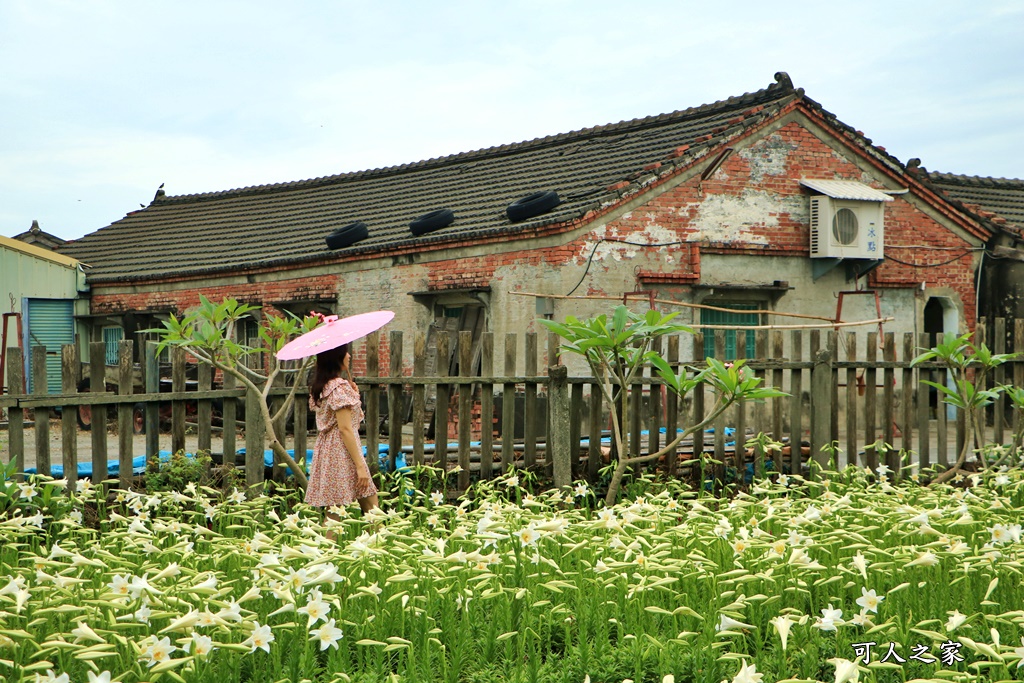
x,y
949,653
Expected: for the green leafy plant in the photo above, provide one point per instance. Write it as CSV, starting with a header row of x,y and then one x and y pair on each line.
x,y
970,365
617,350
207,333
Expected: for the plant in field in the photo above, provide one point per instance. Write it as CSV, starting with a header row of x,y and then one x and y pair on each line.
x,y
207,333
970,365
785,581
617,350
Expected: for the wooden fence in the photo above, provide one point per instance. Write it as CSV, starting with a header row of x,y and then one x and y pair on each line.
x,y
852,390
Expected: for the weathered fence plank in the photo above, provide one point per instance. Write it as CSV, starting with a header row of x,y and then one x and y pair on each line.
x,y
16,415
892,456
41,415
778,403
698,399
595,458
530,404
870,390
178,407
254,440
740,437
558,442
229,421
204,410
98,413
396,414
998,378
372,397
672,408
924,436
821,413
465,407
152,411
419,397
719,423
69,414
796,402
760,407
907,383
654,406
125,432
852,440
486,406
441,404
508,405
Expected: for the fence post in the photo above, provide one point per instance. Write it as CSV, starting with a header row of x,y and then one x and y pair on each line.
x,y
372,420
530,404
16,416
204,410
465,407
41,416
98,413
558,438
152,407
487,406
443,396
396,415
254,441
672,408
69,414
821,406
228,421
508,406
124,413
178,407
419,391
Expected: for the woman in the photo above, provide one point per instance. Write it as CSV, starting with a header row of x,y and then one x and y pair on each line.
x,y
339,473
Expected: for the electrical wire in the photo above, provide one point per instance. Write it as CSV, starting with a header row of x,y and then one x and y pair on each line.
x,y
618,241
927,265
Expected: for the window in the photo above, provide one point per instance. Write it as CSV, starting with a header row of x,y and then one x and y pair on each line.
x,y
112,337
708,317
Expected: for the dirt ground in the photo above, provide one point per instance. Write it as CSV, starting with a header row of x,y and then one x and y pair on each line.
x,y
84,444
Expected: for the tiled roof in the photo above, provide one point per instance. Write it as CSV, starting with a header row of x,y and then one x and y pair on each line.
x,y
287,222
995,200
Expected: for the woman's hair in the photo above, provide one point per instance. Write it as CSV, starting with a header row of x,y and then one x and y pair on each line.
x,y
328,366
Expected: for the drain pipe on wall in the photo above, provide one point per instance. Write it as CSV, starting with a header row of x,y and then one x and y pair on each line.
x,y
977,287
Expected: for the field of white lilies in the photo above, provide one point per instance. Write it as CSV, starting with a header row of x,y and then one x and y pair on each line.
x,y
846,578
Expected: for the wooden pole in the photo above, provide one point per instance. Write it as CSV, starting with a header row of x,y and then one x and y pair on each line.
x,y
558,438
69,415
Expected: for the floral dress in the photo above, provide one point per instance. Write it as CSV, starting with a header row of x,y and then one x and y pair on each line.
x,y
332,478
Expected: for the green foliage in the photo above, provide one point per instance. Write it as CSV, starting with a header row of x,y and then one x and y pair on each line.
x,y
617,351
181,470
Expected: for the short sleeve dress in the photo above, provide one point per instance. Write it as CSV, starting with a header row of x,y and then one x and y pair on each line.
x,y
332,478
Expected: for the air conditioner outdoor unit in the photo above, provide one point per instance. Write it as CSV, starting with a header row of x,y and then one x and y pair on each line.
x,y
846,228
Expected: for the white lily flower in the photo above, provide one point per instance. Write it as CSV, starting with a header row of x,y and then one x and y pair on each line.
x,y
869,601
83,632
747,674
158,650
845,670
260,639
328,635
783,624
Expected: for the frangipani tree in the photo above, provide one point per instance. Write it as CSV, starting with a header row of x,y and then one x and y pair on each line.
x,y
207,332
617,351
967,392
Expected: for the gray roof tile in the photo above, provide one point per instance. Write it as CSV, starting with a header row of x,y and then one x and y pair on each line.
x,y
287,222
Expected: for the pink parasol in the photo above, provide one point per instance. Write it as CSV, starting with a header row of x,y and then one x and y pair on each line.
x,y
333,333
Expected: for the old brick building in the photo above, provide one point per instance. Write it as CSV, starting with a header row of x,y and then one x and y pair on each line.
x,y
716,203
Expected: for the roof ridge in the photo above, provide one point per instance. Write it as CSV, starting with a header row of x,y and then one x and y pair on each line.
x,y
778,91
976,180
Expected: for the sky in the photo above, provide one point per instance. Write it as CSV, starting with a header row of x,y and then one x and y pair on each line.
x,y
101,102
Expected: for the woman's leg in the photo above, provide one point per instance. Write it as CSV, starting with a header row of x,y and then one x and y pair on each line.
x,y
330,516
368,503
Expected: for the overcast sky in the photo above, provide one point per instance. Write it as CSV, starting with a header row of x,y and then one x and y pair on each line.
x,y
100,102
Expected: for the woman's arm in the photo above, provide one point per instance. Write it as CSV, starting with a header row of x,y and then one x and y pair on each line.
x,y
351,441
